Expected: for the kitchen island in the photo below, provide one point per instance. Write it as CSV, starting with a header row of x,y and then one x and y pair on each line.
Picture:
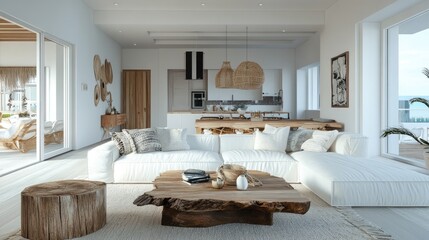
x,y
225,126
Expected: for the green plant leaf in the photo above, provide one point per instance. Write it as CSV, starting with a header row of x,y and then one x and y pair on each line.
x,y
420,100
403,131
426,72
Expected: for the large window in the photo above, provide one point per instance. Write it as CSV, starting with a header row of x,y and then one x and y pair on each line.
x,y
408,55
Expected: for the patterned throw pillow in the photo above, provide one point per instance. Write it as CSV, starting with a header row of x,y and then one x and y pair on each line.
x,y
122,143
143,140
297,138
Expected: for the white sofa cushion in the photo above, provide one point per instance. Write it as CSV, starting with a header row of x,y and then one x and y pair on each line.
x,y
342,180
280,135
100,162
276,163
146,167
203,142
320,141
172,139
351,144
236,142
268,141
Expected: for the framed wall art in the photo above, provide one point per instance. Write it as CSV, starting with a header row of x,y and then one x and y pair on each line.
x,y
340,80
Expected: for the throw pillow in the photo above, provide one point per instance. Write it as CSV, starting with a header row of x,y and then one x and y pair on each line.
x,y
281,134
143,140
320,142
267,141
297,138
172,139
122,143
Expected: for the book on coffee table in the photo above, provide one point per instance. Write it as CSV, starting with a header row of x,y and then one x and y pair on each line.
x,y
195,176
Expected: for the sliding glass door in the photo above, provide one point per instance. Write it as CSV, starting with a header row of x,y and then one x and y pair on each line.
x,y
35,95
56,92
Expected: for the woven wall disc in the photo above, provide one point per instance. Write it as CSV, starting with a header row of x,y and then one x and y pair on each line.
x,y
103,89
108,71
248,75
96,94
97,67
103,74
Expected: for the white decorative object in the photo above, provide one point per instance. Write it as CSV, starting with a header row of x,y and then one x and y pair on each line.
x,y
218,183
241,182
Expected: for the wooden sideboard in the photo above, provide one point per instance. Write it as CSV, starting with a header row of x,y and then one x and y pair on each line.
x,y
110,121
247,126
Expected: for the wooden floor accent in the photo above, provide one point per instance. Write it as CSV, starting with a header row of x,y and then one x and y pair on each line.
x,y
200,205
63,209
412,150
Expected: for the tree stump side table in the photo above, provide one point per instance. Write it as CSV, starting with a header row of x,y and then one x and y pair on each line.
x,y
63,209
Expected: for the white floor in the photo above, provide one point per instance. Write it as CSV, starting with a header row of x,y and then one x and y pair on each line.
x,y
11,160
401,223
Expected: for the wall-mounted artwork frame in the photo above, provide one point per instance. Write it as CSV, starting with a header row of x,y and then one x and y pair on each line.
x,y
340,81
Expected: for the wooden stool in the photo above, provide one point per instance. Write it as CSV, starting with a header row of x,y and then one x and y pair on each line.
x,y
63,209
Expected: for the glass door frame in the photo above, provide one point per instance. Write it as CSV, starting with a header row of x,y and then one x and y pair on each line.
x,y
68,90
67,95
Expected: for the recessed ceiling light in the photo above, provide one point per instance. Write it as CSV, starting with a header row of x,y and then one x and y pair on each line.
x,y
135,44
116,4
283,30
120,31
203,4
261,4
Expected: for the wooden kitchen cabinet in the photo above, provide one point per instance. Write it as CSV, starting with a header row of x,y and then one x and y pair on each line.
x,y
136,98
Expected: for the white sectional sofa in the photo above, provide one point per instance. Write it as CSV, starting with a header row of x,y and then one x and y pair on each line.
x,y
343,176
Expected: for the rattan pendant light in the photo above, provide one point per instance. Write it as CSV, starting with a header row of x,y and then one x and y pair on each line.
x,y
224,76
248,75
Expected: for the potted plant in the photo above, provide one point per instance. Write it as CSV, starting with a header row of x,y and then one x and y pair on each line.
x,y
404,131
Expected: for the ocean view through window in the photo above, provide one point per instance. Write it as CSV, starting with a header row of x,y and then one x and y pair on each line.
x,y
408,55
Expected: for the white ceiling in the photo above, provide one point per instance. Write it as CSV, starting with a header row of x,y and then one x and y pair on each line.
x,y
188,23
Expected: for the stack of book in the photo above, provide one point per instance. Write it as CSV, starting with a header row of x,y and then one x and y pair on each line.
x,y
195,176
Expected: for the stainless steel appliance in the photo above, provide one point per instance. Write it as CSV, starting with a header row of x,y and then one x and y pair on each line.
x,y
198,99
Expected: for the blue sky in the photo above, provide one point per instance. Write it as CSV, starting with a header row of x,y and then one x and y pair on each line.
x,y
413,57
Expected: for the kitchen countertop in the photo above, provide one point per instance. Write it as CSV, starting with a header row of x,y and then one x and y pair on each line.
x,y
221,112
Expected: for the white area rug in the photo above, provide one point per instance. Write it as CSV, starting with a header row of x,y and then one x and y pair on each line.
x,y
127,221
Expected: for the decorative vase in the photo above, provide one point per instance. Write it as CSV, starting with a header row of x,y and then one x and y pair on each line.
x,y
242,183
218,183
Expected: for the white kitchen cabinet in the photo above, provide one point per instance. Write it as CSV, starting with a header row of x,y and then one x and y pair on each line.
x,y
272,83
229,94
271,87
183,120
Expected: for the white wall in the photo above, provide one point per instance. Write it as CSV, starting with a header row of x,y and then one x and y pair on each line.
x,y
72,21
159,61
340,35
355,26
308,53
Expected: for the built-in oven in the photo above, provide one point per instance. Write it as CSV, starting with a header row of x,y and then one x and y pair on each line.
x,y
198,99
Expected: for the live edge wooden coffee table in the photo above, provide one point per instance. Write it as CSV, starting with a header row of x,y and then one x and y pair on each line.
x,y
200,205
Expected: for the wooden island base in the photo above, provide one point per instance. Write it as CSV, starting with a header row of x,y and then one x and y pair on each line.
x,y
172,217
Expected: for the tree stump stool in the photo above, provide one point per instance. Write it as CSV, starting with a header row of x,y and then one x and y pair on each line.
x,y
63,209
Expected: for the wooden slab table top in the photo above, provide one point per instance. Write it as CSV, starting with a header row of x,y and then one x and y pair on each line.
x,y
201,205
